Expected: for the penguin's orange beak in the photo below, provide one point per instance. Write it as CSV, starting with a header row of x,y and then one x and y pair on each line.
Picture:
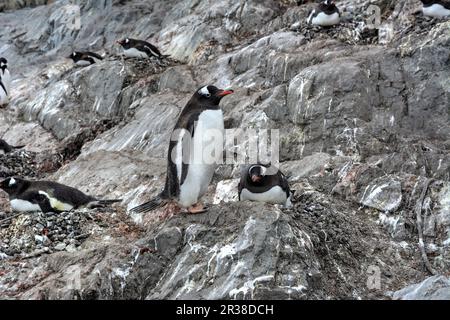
x,y
256,178
119,42
223,93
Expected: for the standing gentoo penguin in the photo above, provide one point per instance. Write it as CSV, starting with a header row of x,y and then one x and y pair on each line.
x,y
4,99
133,48
436,8
258,185
326,14
22,195
85,58
5,82
195,149
4,74
6,148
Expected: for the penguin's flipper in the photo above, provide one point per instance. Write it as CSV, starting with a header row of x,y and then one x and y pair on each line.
x,y
18,147
149,206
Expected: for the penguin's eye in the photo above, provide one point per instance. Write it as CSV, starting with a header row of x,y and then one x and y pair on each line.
x,y
208,95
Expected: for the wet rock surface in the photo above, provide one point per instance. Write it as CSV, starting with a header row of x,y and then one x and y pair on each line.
x,y
363,120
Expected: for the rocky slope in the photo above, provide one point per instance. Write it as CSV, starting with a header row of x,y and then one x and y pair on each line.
x,y
363,116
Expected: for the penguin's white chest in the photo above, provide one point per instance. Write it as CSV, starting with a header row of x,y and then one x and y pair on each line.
x,y
4,99
276,195
436,11
325,20
83,63
134,53
6,79
206,152
24,206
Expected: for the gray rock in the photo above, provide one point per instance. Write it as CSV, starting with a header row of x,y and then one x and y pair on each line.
x,y
384,194
432,288
363,119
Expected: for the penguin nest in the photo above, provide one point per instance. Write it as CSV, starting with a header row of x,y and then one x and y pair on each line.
x,y
36,233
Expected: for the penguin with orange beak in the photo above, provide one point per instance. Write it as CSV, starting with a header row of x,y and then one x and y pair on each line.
x,y
195,150
263,183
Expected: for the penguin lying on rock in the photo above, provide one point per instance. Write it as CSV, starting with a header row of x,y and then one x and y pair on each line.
x,y
133,48
190,166
263,183
85,58
326,14
22,196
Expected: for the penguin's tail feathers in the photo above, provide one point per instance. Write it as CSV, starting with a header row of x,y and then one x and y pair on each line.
x,y
103,203
149,206
18,147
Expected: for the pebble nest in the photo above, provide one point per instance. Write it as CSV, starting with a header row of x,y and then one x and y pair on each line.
x,y
32,234
18,163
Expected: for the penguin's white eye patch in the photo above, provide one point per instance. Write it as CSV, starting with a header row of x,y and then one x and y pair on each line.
x,y
204,91
44,194
12,182
261,168
127,40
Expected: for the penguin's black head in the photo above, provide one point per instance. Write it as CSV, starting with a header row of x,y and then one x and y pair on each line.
x,y
328,6
12,185
3,63
75,56
126,43
256,173
428,1
211,94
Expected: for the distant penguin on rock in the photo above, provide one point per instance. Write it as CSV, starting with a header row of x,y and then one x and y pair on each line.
x,y
326,14
4,93
436,8
195,149
6,148
85,58
260,184
5,82
4,74
22,196
133,48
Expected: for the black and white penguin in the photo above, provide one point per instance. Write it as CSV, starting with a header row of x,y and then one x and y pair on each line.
x,y
195,149
6,148
259,184
133,48
326,14
4,74
22,195
436,8
4,95
85,58
5,82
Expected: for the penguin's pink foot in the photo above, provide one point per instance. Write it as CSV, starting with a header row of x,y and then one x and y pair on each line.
x,y
197,209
